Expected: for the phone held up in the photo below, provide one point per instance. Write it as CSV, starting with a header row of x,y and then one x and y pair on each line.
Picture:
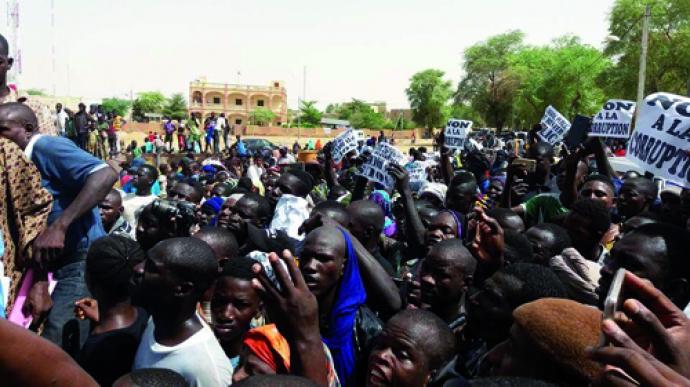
x,y
613,301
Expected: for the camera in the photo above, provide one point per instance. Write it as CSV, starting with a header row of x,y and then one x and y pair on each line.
x,y
183,212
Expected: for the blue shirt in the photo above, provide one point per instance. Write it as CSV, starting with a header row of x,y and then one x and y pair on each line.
x,y
64,170
241,148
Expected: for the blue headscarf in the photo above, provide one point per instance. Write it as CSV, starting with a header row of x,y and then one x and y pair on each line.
x,y
214,204
339,337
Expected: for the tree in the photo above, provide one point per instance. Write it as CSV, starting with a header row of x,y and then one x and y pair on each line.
x,y
37,92
361,115
489,85
668,67
262,116
116,106
563,74
309,115
147,102
176,107
428,94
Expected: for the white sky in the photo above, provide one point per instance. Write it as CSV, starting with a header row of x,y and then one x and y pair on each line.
x,y
353,48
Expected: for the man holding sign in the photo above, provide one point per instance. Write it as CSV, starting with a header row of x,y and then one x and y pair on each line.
x,y
555,126
614,119
375,169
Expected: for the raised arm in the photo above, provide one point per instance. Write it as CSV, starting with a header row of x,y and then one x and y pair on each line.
x,y
415,227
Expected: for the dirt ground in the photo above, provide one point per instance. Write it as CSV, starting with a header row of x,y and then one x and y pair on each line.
x,y
403,145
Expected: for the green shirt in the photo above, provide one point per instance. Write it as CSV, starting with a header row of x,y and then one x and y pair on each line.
x,y
543,208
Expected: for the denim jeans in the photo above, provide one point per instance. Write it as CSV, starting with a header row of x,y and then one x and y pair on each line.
x,y
62,327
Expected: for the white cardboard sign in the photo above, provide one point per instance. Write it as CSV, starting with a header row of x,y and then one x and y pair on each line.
x,y
555,126
456,133
344,144
375,169
613,120
661,138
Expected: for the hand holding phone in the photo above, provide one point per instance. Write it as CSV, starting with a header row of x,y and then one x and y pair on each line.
x,y
613,301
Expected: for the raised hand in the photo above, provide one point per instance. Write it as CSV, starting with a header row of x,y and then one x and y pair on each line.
x,y
401,176
295,306
488,245
86,308
650,338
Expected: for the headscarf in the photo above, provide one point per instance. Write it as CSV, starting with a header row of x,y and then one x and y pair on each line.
x,y
436,189
270,346
382,198
215,203
339,336
457,217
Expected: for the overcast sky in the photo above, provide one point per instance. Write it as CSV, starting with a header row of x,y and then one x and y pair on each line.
x,y
354,48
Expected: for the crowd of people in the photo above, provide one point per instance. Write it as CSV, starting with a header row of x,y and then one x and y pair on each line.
x,y
250,269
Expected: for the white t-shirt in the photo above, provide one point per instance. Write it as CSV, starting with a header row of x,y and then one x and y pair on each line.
x,y
133,205
199,359
220,123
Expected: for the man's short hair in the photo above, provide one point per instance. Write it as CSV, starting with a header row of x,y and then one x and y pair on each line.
x,y
264,210
239,267
157,377
517,247
676,241
595,211
189,258
536,281
646,187
560,235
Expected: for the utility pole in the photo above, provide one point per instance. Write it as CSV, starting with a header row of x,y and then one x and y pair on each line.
x,y
643,56
52,49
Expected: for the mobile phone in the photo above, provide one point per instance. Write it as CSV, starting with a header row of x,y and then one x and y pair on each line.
x,y
613,301
529,164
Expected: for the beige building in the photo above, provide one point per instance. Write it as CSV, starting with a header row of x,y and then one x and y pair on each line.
x,y
238,101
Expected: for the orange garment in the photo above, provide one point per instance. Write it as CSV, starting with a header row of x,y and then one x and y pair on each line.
x,y
318,145
267,343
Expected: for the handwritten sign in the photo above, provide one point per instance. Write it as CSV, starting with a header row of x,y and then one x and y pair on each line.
x,y
555,126
375,169
456,133
345,143
417,172
613,120
660,142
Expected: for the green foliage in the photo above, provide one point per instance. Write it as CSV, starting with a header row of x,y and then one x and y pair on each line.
x,y
310,116
361,115
262,116
489,85
428,94
147,102
116,106
564,74
464,111
176,107
668,55
38,92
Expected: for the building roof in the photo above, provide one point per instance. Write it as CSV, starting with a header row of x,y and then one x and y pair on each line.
x,y
333,121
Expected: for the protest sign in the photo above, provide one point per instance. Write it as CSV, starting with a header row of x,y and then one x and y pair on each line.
x,y
456,133
613,120
555,126
375,169
659,144
345,143
417,172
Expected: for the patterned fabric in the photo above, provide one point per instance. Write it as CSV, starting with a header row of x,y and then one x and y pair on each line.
x,y
24,208
46,124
